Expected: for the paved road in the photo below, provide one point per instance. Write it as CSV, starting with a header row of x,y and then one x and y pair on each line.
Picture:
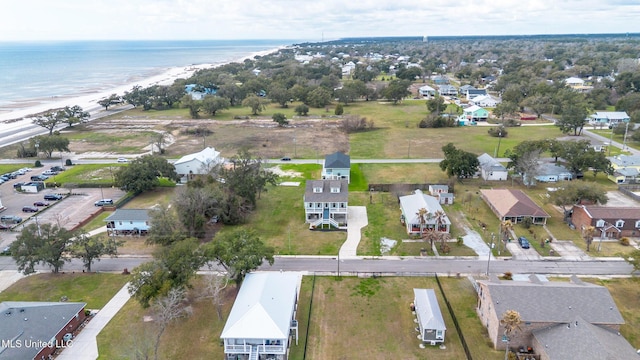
x,y
329,264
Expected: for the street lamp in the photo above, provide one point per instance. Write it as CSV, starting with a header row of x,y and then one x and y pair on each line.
x,y
37,147
493,237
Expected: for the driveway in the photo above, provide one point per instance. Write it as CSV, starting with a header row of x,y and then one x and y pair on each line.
x,y
569,251
518,253
357,219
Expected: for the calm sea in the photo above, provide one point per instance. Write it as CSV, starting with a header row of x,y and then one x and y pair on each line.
x,y
38,70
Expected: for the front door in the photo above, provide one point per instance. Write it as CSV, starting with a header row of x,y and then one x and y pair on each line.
x,y
325,213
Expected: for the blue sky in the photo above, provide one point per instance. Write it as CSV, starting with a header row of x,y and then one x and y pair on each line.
x,y
308,19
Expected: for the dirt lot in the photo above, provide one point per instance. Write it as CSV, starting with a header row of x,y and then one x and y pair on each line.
x,y
309,137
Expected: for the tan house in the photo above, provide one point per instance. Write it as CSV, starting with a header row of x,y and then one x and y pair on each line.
x,y
513,205
559,320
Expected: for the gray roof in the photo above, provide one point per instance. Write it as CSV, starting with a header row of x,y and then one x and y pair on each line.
x,y
488,163
263,307
577,339
337,160
554,301
628,171
326,195
546,169
625,160
33,322
129,215
428,309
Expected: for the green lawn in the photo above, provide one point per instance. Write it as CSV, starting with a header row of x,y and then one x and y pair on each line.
x,y
97,222
96,289
98,174
9,168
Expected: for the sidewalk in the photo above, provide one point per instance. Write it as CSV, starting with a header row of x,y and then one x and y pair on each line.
x,y
85,345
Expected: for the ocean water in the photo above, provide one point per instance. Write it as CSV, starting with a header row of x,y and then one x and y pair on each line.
x,y
45,70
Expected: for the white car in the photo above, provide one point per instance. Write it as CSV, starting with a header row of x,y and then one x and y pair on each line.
x,y
26,169
123,160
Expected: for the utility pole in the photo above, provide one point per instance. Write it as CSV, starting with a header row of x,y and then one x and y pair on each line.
x,y
493,236
624,141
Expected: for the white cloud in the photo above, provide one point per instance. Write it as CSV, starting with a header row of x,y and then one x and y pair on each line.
x,y
308,20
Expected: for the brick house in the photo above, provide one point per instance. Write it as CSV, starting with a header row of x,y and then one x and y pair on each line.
x,y
35,330
557,318
611,222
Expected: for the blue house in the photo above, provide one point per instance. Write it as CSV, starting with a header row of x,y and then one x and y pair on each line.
x,y
337,166
548,172
128,222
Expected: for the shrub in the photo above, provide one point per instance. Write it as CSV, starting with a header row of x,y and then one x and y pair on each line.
x,y
68,162
38,164
527,222
498,131
302,110
625,241
339,109
508,275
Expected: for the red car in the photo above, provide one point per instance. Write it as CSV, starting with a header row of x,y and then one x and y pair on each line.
x,y
40,203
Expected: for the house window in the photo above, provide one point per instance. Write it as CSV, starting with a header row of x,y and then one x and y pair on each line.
x,y
600,223
439,334
131,222
342,205
120,222
333,205
310,205
317,189
638,224
318,205
335,190
619,223
326,205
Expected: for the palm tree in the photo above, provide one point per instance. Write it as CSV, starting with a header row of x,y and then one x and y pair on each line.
x,y
587,234
506,227
511,321
423,217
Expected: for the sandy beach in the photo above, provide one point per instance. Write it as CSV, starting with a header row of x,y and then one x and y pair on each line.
x,y
14,119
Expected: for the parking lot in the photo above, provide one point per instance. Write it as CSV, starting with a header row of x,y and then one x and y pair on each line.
x,y
69,212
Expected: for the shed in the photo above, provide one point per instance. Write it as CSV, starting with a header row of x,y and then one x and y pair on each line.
x,y
430,321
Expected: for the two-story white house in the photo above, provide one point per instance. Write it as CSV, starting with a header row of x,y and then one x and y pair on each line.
x,y
128,221
491,169
325,203
263,321
336,166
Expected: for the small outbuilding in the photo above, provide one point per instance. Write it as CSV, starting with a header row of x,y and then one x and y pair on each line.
x,y
430,322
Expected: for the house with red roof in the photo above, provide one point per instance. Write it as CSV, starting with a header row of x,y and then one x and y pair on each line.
x,y
513,205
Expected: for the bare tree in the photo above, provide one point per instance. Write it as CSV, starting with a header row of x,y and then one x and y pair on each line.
x,y
588,232
167,309
214,284
528,166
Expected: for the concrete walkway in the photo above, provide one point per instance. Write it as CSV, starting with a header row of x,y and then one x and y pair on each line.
x,y
357,219
85,345
474,241
8,277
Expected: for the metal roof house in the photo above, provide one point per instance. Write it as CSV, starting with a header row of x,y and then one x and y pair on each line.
x,y
609,117
555,316
430,321
337,166
410,205
34,330
128,221
263,317
198,163
550,172
491,169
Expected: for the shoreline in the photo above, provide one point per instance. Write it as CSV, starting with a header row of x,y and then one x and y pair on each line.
x,y
16,113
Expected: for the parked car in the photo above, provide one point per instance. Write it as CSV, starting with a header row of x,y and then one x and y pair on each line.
x,y
53,197
26,169
2,181
41,203
50,172
123,160
4,226
30,209
524,243
39,177
10,175
18,185
5,178
103,202
10,219
6,251
286,158
58,168
19,172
